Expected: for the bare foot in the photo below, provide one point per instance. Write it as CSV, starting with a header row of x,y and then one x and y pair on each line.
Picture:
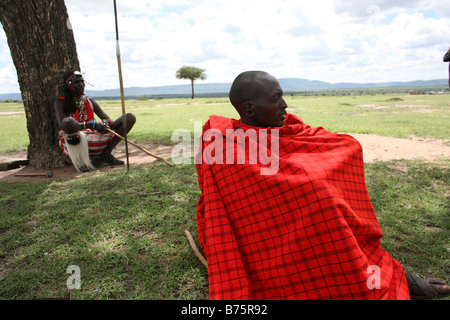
x,y
431,288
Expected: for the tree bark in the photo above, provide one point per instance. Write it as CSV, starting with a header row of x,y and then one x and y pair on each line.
x,y
42,47
192,85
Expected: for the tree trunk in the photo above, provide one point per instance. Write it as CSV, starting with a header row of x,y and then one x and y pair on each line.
x,y
192,85
42,48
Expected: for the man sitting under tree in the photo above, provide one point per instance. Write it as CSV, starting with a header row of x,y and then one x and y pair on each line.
x,y
304,230
82,137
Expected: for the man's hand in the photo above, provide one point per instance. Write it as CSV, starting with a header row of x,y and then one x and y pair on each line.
x,y
100,127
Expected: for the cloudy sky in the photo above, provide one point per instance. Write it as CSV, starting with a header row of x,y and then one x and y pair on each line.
x,y
327,40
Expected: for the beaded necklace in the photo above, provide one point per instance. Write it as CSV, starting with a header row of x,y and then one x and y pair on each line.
x,y
81,107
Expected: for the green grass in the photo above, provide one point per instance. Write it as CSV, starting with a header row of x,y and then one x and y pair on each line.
x,y
411,199
125,229
128,241
425,116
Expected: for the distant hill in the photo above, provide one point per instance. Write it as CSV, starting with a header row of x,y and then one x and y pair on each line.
x,y
221,89
295,84
182,90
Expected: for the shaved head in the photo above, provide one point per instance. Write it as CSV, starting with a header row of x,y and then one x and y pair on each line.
x,y
245,87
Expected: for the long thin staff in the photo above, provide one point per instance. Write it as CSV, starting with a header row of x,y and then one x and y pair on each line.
x,y
122,95
139,147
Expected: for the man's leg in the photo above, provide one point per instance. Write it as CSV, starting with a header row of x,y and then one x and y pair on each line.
x,y
70,125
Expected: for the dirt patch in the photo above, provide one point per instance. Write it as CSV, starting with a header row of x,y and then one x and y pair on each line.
x,y
378,148
135,157
375,148
418,108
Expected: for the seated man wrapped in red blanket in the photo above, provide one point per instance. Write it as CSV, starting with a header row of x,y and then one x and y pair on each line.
x,y
284,211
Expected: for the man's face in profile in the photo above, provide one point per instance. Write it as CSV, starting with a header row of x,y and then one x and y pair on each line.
x,y
268,105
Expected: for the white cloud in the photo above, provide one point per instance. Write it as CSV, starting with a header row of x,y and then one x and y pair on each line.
x,y
328,40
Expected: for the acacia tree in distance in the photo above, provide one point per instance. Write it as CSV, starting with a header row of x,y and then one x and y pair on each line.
x,y
191,73
42,48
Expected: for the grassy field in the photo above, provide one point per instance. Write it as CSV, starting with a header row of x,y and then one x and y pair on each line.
x,y
387,115
124,230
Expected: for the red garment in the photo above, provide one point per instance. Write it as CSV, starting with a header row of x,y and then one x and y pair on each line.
x,y
308,231
89,111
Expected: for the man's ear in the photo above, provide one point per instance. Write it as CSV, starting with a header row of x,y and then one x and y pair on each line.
x,y
249,109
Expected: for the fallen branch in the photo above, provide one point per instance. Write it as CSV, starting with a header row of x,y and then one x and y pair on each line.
x,y
195,249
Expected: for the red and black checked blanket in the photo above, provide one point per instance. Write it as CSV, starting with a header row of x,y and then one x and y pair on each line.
x,y
307,231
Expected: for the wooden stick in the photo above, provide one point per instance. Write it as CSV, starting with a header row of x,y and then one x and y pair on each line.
x,y
139,147
48,174
194,248
122,95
